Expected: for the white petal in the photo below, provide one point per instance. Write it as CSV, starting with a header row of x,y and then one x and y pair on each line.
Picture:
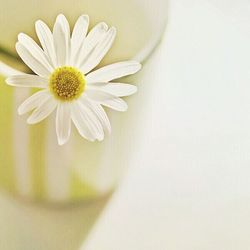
x,y
92,120
27,80
63,122
117,104
80,123
78,35
101,114
98,95
96,84
100,51
43,111
35,50
6,70
86,123
107,99
33,63
61,35
116,89
34,101
46,39
113,71
92,39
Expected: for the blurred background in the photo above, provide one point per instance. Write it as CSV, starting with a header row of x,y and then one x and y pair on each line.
x,y
187,186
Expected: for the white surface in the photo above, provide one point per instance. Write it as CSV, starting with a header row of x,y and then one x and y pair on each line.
x,y
189,187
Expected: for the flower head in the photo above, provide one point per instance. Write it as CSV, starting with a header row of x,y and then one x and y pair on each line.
x,y
63,71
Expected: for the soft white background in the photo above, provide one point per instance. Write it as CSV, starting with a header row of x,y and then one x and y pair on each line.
x,y
188,187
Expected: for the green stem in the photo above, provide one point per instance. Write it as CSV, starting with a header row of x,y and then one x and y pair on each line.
x,y
9,54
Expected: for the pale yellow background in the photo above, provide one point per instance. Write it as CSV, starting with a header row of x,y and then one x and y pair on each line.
x,y
188,185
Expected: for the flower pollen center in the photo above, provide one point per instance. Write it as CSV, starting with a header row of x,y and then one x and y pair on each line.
x,y
67,83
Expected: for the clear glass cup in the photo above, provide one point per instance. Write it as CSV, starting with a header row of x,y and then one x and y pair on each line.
x,y
33,166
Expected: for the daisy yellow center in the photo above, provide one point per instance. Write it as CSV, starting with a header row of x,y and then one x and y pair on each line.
x,y
67,83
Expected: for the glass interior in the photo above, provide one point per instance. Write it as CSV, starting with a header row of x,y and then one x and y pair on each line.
x,y
33,165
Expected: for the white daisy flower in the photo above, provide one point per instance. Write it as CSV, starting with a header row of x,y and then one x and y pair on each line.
x,y
62,70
